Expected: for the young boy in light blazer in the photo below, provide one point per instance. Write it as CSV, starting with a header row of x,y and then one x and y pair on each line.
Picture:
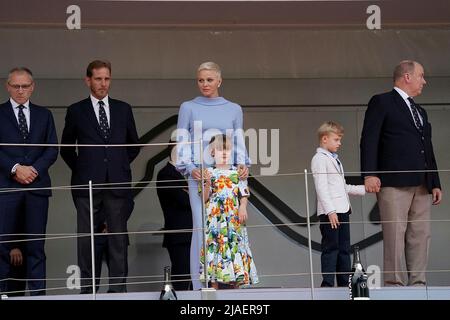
x,y
333,205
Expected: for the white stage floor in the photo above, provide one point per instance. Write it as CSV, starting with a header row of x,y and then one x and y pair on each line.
x,y
384,293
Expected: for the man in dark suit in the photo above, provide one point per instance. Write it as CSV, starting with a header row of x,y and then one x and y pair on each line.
x,y
18,268
101,243
104,121
23,167
173,196
18,272
397,137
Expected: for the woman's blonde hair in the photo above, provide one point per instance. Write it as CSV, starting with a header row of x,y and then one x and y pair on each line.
x,y
210,66
330,127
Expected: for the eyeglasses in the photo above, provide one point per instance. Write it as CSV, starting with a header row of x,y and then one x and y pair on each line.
x,y
17,87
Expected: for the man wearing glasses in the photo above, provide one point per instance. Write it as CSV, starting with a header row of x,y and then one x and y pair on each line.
x,y
24,167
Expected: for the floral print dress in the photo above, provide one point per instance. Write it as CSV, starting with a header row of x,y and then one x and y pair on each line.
x,y
229,258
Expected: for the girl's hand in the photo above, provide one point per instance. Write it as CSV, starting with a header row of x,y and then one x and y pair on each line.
x,y
243,172
243,216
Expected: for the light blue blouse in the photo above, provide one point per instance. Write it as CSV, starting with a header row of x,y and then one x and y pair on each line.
x,y
204,118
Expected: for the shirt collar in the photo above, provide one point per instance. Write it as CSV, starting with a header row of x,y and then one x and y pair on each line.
x,y
95,100
323,150
15,104
402,93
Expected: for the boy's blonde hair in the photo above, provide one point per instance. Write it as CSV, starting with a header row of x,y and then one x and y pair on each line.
x,y
330,127
220,142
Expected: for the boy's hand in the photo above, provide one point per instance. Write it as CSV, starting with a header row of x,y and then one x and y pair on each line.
x,y
334,221
372,184
243,216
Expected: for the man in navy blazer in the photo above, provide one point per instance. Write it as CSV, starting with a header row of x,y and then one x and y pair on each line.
x,y
173,195
397,137
22,168
103,121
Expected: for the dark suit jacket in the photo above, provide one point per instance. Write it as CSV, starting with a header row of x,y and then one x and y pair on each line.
x,y
391,142
175,205
42,130
99,164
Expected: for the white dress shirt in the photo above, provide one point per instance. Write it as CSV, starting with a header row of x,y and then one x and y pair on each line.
x,y
26,111
97,108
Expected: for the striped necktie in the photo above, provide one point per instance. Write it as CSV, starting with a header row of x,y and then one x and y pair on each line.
x,y
415,114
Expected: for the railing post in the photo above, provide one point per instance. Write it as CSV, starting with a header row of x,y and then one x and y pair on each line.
x,y
308,222
205,265
91,212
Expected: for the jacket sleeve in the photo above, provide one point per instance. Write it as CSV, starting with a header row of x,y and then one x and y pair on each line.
x,y
240,155
132,136
436,183
6,163
49,156
370,136
353,190
69,136
184,163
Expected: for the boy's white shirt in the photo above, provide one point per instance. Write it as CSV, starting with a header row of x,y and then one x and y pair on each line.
x,y
331,189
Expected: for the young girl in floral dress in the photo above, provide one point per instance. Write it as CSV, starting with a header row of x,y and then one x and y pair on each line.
x,y
228,257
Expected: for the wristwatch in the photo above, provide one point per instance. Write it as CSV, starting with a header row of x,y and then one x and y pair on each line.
x,y
14,169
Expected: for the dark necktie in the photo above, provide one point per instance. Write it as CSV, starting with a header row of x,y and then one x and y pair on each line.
x,y
339,164
415,113
104,127
23,122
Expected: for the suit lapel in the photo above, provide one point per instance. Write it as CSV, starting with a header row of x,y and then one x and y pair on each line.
x,y
90,114
112,116
33,119
9,113
334,162
421,112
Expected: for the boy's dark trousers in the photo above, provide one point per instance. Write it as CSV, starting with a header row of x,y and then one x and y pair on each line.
x,y
335,250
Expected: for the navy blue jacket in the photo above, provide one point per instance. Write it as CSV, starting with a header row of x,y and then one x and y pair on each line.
x,y
174,200
99,164
391,142
42,131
